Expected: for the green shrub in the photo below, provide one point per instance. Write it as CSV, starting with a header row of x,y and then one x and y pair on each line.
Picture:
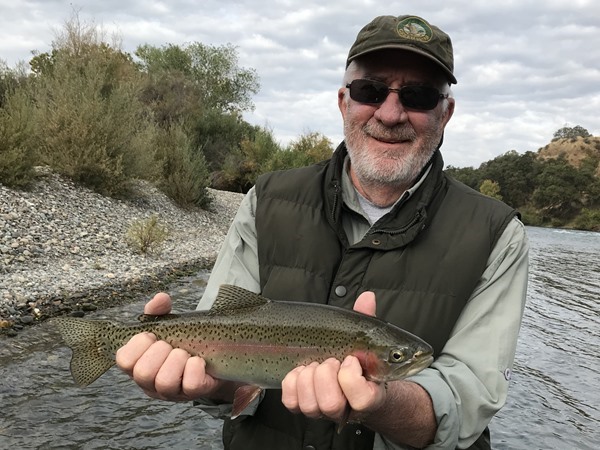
x,y
588,219
183,174
243,165
17,158
306,150
491,189
531,216
263,154
90,124
146,236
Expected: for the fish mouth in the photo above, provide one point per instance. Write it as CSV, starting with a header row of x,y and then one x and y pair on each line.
x,y
420,360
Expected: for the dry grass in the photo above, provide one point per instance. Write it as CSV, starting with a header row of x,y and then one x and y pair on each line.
x,y
574,150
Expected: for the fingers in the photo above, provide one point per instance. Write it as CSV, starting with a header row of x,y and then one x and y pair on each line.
x,y
160,370
363,395
128,355
314,391
324,390
149,364
331,400
168,379
289,390
196,382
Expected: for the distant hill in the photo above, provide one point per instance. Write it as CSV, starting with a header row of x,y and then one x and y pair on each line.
x,y
574,150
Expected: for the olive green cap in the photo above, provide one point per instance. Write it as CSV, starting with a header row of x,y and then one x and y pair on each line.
x,y
410,33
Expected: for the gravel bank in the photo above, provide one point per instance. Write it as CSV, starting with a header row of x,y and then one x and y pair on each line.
x,y
63,249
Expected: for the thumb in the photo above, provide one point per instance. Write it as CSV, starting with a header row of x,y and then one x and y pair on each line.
x,y
159,305
366,304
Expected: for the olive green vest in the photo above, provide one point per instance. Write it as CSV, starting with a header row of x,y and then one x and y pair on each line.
x,y
422,260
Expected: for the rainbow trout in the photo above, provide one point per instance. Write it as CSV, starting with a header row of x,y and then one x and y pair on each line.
x,y
247,338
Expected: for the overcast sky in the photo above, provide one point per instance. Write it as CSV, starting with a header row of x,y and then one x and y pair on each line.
x,y
525,68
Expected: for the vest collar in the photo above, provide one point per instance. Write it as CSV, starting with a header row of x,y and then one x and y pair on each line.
x,y
406,219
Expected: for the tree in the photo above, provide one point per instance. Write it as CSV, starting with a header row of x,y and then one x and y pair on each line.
x,y
307,149
515,174
559,188
203,89
89,122
467,175
243,165
567,132
213,70
491,189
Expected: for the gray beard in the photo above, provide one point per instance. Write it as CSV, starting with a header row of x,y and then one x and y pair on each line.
x,y
373,170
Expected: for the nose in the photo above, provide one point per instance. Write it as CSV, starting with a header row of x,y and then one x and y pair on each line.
x,y
391,112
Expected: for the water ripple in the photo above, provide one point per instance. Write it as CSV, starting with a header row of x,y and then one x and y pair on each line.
x,y
554,400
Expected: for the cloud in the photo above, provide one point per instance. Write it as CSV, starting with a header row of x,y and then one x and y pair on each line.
x,y
524,69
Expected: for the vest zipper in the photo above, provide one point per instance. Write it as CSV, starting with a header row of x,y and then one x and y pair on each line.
x,y
418,216
336,194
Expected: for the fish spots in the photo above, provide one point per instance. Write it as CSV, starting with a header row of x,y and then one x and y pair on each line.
x,y
258,342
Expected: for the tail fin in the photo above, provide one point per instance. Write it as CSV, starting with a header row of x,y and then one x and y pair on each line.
x,y
91,355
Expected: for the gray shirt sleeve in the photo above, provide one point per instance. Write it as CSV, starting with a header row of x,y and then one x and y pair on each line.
x,y
468,383
237,262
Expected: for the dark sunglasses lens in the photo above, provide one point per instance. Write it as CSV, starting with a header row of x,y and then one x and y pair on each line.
x,y
415,97
366,91
419,97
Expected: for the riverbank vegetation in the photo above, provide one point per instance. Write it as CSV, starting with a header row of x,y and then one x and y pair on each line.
x,y
557,186
172,115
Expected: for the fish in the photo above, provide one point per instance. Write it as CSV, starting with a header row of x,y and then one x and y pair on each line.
x,y
248,338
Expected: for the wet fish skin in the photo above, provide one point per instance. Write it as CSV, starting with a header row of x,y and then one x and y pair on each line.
x,y
247,338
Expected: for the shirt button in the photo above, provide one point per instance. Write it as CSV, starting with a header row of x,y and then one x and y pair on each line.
x,y
340,291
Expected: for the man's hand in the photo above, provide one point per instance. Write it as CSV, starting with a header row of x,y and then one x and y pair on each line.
x,y
162,371
324,390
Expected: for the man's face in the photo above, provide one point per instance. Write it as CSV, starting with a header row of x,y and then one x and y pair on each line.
x,y
389,144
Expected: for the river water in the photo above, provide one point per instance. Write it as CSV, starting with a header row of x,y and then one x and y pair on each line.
x,y
554,401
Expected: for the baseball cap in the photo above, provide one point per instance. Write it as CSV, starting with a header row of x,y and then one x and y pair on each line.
x,y
411,33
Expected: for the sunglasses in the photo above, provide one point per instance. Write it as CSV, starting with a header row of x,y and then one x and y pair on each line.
x,y
423,98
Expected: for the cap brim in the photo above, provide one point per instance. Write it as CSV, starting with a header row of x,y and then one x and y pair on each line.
x,y
409,48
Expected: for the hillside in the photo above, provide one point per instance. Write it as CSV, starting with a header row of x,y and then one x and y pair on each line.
x,y
575,150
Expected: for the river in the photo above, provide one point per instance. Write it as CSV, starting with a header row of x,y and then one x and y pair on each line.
x,y
554,401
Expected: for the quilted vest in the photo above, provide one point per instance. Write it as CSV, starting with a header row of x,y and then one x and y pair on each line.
x,y
422,260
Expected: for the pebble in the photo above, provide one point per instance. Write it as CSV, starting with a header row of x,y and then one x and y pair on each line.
x,y
60,241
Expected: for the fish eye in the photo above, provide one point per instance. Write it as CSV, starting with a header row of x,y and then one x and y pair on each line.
x,y
396,355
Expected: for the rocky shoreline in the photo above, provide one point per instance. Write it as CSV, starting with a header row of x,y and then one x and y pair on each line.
x,y
63,247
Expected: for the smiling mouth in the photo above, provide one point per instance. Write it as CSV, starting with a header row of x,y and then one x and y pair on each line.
x,y
386,140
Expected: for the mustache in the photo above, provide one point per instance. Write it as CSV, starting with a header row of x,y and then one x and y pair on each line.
x,y
397,133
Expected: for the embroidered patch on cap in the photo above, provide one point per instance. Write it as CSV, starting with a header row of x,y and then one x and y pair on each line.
x,y
414,28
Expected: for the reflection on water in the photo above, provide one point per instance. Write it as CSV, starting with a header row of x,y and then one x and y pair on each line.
x,y
554,400
553,403
42,408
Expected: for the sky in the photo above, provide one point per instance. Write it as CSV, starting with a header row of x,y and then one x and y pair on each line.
x,y
525,68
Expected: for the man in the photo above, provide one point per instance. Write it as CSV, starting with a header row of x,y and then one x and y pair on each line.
x,y
381,229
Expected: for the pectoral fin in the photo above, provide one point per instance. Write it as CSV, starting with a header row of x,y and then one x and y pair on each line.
x,y
244,395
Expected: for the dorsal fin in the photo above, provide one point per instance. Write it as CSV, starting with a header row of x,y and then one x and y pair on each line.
x,y
161,318
233,298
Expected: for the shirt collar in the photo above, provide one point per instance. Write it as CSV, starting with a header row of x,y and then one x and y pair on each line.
x,y
350,195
